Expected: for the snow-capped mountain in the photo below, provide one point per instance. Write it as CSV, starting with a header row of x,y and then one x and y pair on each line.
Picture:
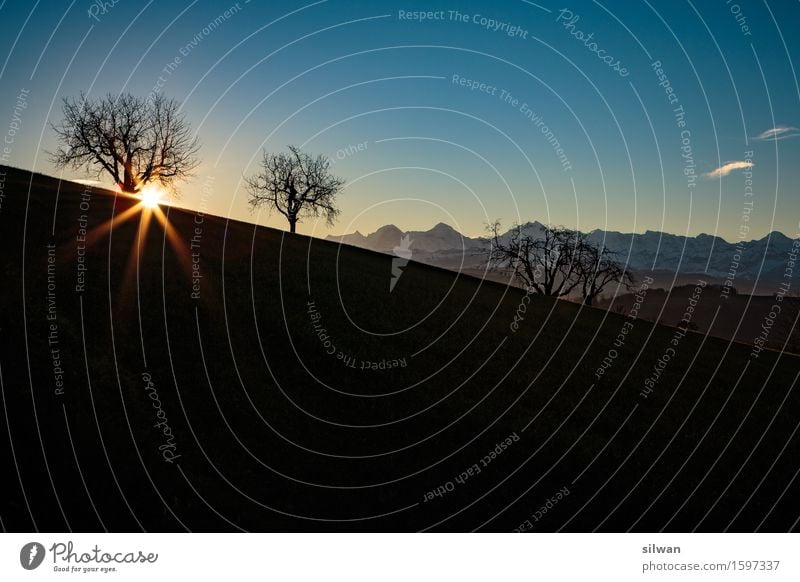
x,y
763,259
703,253
441,237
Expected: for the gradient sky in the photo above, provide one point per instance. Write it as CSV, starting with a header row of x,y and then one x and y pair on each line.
x,y
330,75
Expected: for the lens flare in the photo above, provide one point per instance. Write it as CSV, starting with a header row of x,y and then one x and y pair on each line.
x,y
150,196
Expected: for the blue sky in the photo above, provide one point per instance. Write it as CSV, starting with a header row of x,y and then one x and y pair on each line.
x,y
373,87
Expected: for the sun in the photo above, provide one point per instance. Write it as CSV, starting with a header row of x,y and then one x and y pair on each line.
x,y
150,196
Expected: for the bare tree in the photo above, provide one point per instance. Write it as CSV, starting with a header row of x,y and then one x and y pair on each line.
x,y
549,264
598,269
297,185
555,262
136,141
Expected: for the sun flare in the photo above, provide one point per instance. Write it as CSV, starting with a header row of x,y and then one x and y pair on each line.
x,y
151,196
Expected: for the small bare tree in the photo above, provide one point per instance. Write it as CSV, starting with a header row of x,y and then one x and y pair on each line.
x,y
297,185
136,141
598,269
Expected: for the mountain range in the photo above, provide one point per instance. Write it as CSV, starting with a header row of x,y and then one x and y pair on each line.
x,y
763,260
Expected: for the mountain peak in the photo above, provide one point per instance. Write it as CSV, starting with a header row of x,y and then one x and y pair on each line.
x,y
775,236
705,236
388,228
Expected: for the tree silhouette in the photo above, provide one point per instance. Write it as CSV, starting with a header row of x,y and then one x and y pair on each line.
x,y
555,262
548,264
598,269
297,185
136,141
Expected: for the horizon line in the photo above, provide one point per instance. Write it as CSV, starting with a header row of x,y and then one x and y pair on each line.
x,y
99,184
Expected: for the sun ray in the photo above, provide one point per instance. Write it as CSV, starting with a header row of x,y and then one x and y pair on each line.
x,y
148,205
118,219
175,241
134,257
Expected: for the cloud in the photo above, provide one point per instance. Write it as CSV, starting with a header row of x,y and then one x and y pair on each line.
x,y
779,132
726,169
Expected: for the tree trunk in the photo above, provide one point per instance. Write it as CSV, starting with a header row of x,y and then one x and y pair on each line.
x,y
292,225
129,184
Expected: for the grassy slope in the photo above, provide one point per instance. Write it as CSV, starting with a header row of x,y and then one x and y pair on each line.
x,y
266,445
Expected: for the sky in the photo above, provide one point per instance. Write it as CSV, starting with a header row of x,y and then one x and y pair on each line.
x,y
624,116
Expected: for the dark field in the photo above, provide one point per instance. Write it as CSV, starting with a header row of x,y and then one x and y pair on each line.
x,y
226,411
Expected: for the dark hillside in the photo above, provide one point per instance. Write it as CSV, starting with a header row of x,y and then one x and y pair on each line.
x,y
132,400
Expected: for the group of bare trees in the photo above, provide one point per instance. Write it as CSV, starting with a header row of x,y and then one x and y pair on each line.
x,y
556,261
140,141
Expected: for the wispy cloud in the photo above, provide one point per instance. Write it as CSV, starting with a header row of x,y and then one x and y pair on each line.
x,y
726,169
779,132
